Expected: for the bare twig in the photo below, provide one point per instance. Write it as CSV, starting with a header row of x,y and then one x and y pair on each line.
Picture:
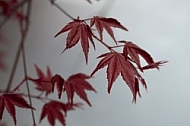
x,y
61,9
24,30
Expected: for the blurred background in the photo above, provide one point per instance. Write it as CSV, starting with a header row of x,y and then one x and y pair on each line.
x,y
160,27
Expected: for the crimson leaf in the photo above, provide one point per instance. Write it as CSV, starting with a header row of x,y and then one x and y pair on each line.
x,y
54,110
79,30
132,51
9,101
106,23
154,65
43,82
59,81
77,84
117,64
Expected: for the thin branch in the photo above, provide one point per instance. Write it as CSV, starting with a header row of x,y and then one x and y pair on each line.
x,y
27,84
24,31
61,9
36,97
117,46
14,67
107,46
19,48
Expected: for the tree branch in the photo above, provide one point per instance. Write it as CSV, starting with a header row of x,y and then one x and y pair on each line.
x,y
61,9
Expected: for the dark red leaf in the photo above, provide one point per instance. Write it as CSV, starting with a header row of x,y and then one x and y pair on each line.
x,y
117,64
68,27
133,52
59,81
43,82
154,65
79,30
106,23
11,109
2,106
54,110
77,84
9,101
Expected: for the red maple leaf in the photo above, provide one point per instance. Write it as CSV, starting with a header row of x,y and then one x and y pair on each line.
x,y
132,52
54,110
117,64
106,23
74,84
59,81
79,30
77,84
154,65
9,101
43,82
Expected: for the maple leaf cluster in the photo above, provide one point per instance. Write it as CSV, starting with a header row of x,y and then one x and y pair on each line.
x,y
45,83
117,62
126,63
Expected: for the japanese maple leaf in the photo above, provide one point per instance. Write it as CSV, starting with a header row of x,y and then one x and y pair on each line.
x,y
9,101
154,65
106,23
59,82
77,84
43,82
54,110
133,52
78,30
117,64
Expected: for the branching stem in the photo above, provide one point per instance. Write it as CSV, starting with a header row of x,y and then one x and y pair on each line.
x,y
107,46
61,9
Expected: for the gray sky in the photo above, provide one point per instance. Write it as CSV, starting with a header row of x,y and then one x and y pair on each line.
x,y
160,27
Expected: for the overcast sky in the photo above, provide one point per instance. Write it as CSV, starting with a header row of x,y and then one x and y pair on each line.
x,y
160,27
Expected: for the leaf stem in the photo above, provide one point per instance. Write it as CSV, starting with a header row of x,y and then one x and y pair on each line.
x,y
36,97
107,46
61,9
117,46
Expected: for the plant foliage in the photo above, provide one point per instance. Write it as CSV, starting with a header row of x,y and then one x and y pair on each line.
x,y
126,64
